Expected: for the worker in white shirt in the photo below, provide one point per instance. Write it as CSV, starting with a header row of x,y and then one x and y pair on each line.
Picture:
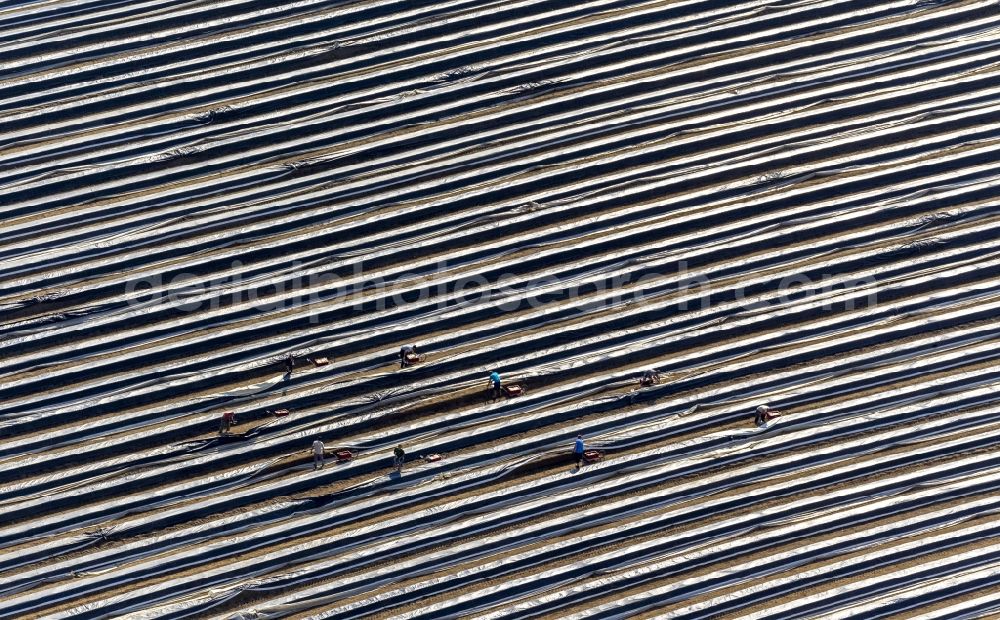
x,y
318,450
765,414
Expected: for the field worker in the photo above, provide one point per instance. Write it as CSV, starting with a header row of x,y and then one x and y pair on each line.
x,y
405,350
649,377
397,457
318,450
578,451
228,419
494,385
289,365
764,414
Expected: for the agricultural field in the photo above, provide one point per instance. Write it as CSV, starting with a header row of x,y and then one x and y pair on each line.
x,y
250,206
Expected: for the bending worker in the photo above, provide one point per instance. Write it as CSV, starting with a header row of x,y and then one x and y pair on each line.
x,y
228,419
405,351
494,386
765,414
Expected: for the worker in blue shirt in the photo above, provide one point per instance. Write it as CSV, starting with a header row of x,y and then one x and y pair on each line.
x,y
494,386
578,451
